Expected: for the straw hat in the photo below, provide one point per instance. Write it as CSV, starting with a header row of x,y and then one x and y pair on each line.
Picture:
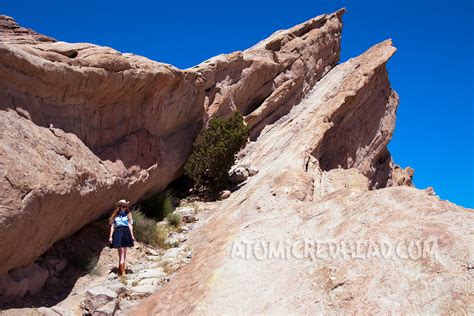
x,y
122,203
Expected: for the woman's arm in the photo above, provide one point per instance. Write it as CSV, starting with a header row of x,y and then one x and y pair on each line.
x,y
131,230
130,225
111,232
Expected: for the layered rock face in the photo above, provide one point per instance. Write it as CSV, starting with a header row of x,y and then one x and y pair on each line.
x,y
84,125
266,80
306,235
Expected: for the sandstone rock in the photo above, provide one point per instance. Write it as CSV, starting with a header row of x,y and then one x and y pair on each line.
x,y
172,253
238,174
188,214
342,179
172,241
266,80
22,280
54,311
324,171
80,141
97,297
124,306
107,309
225,194
402,176
118,288
174,258
186,228
189,218
60,265
62,311
47,311
185,210
430,191
151,281
181,237
252,170
144,289
14,32
152,273
112,276
151,251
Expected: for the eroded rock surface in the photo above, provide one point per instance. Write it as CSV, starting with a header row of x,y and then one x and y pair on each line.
x,y
317,166
84,125
266,80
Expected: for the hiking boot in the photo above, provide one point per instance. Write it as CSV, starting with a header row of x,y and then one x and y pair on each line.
x,y
121,269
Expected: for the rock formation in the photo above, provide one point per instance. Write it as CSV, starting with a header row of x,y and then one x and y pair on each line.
x,y
305,235
84,126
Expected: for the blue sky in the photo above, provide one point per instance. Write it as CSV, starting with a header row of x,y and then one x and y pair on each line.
x,y
432,70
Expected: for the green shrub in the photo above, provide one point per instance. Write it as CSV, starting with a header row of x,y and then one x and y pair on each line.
x,y
144,228
163,232
157,206
214,152
174,219
147,231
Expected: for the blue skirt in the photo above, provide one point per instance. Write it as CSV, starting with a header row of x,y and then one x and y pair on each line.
x,y
122,237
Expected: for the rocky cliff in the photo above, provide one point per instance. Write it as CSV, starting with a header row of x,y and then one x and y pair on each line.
x,y
309,235
84,126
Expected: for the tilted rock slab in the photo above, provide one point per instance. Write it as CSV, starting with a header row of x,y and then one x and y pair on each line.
x,y
306,235
84,126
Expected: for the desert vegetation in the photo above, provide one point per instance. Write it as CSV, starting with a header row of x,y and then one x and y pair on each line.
x,y
157,206
214,152
174,219
149,231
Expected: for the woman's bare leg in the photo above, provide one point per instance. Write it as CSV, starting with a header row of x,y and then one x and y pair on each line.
x,y
119,250
122,255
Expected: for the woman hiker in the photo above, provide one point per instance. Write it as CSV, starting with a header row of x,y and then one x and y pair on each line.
x,y
121,232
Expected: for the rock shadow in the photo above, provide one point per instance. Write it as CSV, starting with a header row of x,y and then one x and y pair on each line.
x,y
67,261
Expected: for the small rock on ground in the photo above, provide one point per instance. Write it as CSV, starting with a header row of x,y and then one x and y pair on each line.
x,y
225,194
97,297
152,273
143,289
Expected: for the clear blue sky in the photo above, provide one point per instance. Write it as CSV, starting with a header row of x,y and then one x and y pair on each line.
x,y
432,70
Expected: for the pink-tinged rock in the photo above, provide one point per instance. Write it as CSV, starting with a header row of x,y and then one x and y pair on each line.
x,y
84,125
20,281
322,172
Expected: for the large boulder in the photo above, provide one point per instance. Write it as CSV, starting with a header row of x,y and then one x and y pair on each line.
x,y
84,126
317,230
